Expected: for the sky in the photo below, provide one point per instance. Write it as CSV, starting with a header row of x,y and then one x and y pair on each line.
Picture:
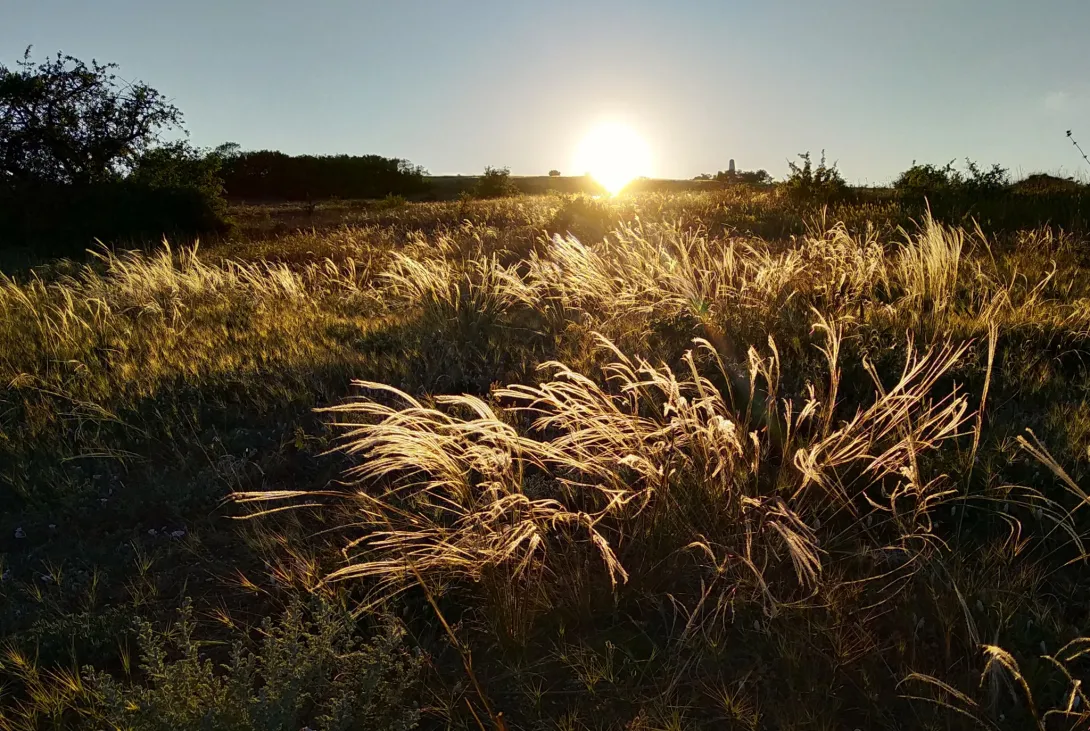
x,y
455,85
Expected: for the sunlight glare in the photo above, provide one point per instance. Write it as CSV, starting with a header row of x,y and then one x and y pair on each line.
x,y
614,154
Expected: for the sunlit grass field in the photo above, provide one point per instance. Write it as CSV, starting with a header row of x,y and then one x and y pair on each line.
x,y
670,461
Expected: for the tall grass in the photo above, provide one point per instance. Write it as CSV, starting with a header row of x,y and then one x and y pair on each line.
x,y
728,477
644,470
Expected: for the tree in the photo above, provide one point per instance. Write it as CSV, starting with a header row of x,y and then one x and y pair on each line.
x,y
554,173
179,166
64,121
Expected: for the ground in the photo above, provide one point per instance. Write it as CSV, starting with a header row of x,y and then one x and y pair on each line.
x,y
675,460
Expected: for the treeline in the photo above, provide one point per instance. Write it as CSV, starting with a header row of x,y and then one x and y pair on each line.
x,y
85,155
273,176
966,195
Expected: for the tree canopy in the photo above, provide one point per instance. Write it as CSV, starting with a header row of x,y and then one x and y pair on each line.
x,y
66,121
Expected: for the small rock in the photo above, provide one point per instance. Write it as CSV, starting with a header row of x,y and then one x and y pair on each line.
x,y
102,500
1076,702
152,532
757,625
980,606
52,526
1044,650
20,533
177,534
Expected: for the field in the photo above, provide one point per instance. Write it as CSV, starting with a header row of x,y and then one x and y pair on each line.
x,y
669,461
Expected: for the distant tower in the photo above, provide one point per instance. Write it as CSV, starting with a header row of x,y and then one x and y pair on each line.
x,y
731,166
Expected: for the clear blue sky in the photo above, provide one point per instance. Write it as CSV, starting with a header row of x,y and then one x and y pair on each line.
x,y
455,85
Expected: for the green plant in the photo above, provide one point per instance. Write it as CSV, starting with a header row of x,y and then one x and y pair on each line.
x,y
65,121
309,669
809,182
923,180
930,181
980,181
747,177
495,183
391,203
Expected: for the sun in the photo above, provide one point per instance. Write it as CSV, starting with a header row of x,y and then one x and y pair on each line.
x,y
614,154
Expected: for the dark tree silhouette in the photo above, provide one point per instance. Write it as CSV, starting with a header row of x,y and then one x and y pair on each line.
x,y
495,183
269,175
64,121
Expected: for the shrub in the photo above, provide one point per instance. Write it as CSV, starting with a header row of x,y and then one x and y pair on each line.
x,y
310,669
747,177
391,202
554,173
1045,183
992,180
61,220
930,181
822,183
179,165
495,183
587,219
925,180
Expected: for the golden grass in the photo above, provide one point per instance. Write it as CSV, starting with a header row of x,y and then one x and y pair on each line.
x,y
786,497
785,447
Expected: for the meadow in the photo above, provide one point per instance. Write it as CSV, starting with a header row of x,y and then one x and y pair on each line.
x,y
673,460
